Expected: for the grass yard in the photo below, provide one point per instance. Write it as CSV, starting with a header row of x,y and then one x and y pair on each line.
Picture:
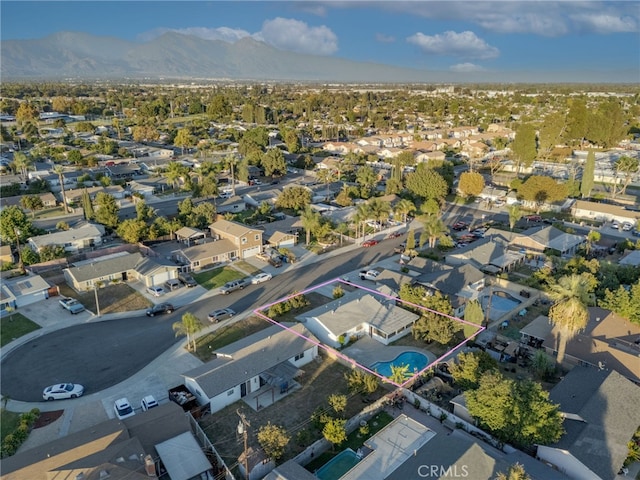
x,y
14,326
9,421
227,335
217,277
247,267
112,298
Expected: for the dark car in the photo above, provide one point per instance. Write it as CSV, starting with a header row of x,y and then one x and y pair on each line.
x,y
160,308
395,235
458,226
188,280
275,261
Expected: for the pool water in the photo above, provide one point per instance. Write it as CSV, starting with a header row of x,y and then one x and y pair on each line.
x,y
416,361
338,465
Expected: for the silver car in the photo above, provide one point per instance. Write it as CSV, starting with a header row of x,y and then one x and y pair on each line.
x,y
221,314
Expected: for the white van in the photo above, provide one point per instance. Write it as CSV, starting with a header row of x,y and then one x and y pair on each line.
x,y
172,284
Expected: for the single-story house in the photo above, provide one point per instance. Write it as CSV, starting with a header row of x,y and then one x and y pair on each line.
x,y
73,240
189,235
608,342
6,255
604,212
490,254
357,314
200,256
233,204
538,239
21,291
155,271
267,360
631,258
601,415
119,267
247,240
144,189
119,172
75,196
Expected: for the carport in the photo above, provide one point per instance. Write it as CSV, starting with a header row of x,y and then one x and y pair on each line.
x,y
182,457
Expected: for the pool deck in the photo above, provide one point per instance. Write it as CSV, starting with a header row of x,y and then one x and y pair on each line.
x,y
367,351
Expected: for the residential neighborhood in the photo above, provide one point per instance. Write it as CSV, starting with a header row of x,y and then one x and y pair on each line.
x,y
292,282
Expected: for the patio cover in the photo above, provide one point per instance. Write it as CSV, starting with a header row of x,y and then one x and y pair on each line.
x,y
183,457
281,374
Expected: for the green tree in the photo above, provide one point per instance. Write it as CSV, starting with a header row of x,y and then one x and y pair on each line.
x,y
274,440
28,256
379,210
14,225
550,133
21,163
472,313
107,210
310,219
626,168
174,172
59,170
515,214
294,198
569,311
523,146
592,237
625,303
469,368
62,226
541,189
337,402
219,108
188,326
471,184
400,374
410,244
292,140
132,230
32,202
184,139
427,183
27,112
51,252
434,229
366,177
404,207
588,175
515,472
87,206
144,212
273,162
334,431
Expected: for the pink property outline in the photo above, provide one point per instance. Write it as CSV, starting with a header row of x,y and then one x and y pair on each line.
x,y
258,311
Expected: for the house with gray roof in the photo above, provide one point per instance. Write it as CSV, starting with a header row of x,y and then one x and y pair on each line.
x,y
73,240
490,254
258,367
22,291
357,314
601,414
119,267
539,239
203,255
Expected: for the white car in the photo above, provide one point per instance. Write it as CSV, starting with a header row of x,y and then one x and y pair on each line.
x,y
61,391
148,403
123,409
615,225
626,226
261,277
156,291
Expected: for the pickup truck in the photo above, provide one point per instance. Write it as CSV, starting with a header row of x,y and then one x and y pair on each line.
x,y
71,304
234,285
369,275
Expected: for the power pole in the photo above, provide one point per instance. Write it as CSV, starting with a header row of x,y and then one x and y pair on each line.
x,y
243,429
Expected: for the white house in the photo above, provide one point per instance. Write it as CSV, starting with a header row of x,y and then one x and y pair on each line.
x,y
261,367
604,212
73,240
356,315
22,291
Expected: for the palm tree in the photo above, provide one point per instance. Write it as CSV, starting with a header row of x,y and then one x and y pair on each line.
x,y
310,220
434,228
59,169
189,326
21,163
362,214
515,214
379,210
399,373
569,311
175,171
404,207
592,237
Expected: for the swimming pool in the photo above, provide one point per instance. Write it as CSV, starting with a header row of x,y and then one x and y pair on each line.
x,y
416,361
338,465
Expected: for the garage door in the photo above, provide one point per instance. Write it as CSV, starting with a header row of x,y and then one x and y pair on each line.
x,y
287,243
250,252
159,278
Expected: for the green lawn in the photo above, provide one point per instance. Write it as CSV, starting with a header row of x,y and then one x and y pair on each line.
x,y
213,341
8,422
14,326
217,277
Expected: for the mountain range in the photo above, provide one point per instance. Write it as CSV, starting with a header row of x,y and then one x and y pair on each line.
x,y
82,56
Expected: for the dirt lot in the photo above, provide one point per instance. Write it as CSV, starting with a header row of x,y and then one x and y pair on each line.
x,y
320,379
112,298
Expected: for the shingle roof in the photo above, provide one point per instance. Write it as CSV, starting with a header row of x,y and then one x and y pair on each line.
x,y
249,357
148,265
67,236
104,268
451,282
208,250
232,228
608,405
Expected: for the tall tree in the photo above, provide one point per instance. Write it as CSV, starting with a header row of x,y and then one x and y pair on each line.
x,y
471,184
32,202
334,431
523,146
174,172
274,163
569,311
15,226
473,314
427,183
515,214
541,189
310,219
379,210
434,229
294,198
626,168
551,133
188,326
59,170
366,177
87,206
515,472
132,230
404,207
274,440
469,368
588,175
184,139
21,163
107,210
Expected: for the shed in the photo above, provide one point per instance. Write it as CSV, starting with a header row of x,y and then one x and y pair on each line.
x,y
183,457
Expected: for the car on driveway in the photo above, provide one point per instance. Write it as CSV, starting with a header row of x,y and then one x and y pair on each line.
x,y
188,280
160,308
459,226
148,403
72,305
261,277
156,291
615,225
369,243
221,314
627,227
123,409
234,285
60,391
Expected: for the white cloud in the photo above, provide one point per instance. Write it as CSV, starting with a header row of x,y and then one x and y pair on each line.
x,y
226,34
382,38
604,23
464,45
466,68
297,36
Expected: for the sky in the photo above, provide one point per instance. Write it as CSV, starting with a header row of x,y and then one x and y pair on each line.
x,y
456,36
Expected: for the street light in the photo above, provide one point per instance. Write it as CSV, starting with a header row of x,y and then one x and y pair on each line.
x,y
17,234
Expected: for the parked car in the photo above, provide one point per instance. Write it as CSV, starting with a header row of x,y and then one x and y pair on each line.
x,y
533,218
400,248
234,285
261,277
275,261
369,243
460,226
369,275
148,403
221,314
156,291
636,233
172,284
395,235
123,409
626,227
61,391
615,225
160,308
72,305
188,280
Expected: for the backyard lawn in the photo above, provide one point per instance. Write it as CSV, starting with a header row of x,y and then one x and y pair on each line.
x,y
14,326
226,335
217,277
112,298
